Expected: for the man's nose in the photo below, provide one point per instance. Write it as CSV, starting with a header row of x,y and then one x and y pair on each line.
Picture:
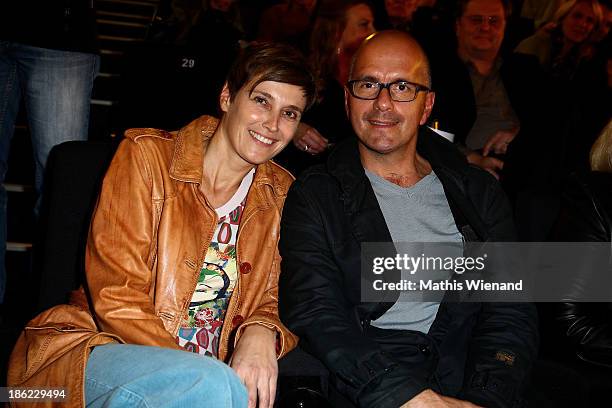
x,y
383,102
485,25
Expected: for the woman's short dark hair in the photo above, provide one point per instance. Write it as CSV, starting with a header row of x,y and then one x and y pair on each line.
x,y
267,61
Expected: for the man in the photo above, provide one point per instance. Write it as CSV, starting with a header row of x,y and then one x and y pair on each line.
x,y
484,99
392,185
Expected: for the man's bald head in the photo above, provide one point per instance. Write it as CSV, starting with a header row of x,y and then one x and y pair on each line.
x,y
386,126
393,41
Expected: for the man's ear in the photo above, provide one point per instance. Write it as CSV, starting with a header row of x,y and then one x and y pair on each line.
x,y
224,98
430,97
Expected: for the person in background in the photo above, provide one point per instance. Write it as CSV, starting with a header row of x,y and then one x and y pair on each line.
x,y
48,59
540,12
606,21
289,21
483,97
340,26
178,72
182,262
562,49
399,13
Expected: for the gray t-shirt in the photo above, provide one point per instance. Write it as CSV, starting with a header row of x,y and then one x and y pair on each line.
x,y
419,213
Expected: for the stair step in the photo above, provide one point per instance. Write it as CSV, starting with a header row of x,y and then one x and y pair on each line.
x,y
18,188
123,16
18,246
144,9
102,21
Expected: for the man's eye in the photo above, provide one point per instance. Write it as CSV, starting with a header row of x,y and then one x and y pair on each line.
x,y
367,85
402,87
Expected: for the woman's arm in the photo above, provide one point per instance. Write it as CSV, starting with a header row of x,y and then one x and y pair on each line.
x,y
121,252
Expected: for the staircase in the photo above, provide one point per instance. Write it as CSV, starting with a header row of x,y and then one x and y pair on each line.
x,y
120,24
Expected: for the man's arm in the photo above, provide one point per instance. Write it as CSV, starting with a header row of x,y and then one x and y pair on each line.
x,y
505,339
314,305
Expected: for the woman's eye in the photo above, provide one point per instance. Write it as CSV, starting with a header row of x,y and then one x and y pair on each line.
x,y
260,100
291,115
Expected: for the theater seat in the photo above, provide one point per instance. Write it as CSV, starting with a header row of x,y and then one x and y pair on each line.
x,y
73,176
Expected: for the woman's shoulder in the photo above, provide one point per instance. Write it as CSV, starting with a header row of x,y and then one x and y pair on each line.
x,y
135,134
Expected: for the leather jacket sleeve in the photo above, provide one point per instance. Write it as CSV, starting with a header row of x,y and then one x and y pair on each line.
x,y
313,305
121,252
585,217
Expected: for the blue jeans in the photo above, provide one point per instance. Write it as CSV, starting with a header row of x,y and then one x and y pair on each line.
x,y
127,375
56,89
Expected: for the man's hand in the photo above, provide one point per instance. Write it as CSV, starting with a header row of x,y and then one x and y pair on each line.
x,y
309,140
431,399
490,164
499,142
254,360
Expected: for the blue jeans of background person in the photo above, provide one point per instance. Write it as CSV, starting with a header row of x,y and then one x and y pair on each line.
x,y
127,375
56,89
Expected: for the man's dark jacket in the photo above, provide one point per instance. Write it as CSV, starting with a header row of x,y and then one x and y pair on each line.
x,y
481,352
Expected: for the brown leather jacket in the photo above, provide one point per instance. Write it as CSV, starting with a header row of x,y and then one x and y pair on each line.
x,y
147,241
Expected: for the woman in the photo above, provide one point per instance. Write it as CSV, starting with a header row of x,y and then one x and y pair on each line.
x,y
339,28
563,48
182,254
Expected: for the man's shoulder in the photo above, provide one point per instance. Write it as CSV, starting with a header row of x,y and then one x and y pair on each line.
x,y
315,178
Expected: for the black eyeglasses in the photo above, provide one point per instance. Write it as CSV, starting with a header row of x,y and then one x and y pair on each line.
x,y
399,91
478,20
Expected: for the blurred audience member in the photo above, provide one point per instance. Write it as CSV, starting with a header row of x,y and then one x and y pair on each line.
x,y
399,13
606,21
339,28
289,21
494,104
482,98
48,58
430,22
562,47
177,74
540,11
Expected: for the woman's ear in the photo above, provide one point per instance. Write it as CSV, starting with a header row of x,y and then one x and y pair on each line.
x,y
224,98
